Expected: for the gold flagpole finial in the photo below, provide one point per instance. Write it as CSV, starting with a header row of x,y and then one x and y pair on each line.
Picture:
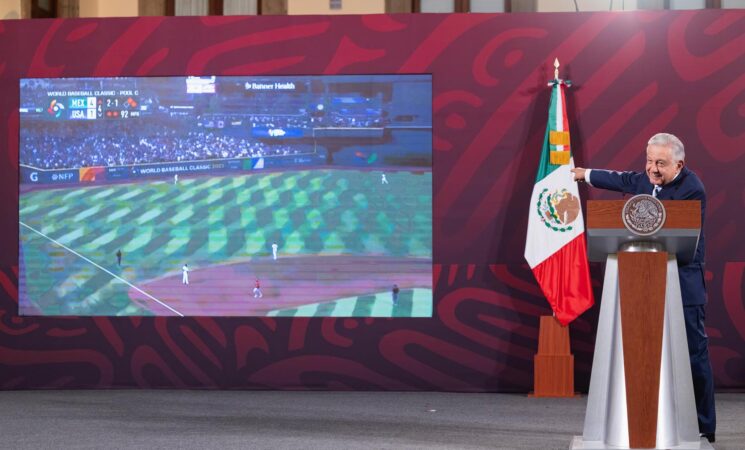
x,y
559,140
556,69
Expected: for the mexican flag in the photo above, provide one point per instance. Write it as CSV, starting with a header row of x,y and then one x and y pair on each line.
x,y
555,246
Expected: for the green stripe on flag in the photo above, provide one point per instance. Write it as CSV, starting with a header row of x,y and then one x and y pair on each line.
x,y
544,165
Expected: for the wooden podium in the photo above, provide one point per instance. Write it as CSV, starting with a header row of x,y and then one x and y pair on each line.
x,y
641,391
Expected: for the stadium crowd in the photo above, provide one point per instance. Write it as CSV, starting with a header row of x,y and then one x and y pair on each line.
x,y
332,119
57,147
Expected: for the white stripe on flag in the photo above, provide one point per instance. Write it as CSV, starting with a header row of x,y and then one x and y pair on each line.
x,y
542,241
559,114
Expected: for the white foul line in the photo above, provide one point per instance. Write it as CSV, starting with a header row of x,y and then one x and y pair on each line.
x,y
113,275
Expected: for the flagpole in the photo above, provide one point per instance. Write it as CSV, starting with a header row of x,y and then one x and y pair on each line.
x,y
555,250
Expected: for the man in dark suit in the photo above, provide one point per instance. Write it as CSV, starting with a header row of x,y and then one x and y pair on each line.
x,y
667,178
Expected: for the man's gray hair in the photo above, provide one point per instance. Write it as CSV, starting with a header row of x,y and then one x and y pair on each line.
x,y
670,141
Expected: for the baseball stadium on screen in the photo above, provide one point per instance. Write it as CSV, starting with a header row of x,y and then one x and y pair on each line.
x,y
298,196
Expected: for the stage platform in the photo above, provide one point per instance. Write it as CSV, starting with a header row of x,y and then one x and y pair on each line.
x,y
305,420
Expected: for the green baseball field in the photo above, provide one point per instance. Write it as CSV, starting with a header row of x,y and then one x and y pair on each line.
x,y
343,239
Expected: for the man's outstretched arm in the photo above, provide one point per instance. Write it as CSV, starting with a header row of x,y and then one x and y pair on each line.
x,y
607,179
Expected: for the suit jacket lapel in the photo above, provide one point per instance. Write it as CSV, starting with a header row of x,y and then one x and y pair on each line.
x,y
669,190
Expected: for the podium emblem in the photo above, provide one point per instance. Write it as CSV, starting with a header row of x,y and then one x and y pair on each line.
x,y
643,215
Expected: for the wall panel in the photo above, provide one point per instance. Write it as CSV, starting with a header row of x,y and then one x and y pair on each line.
x,y
634,74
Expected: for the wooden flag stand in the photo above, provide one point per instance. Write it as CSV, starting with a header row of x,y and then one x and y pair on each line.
x,y
553,365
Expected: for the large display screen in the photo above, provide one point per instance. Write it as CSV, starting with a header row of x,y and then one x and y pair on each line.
x,y
226,196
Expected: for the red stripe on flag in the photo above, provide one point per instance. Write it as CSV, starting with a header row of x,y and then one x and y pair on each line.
x,y
564,278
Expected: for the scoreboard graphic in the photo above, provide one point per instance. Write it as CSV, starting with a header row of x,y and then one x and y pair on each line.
x,y
86,105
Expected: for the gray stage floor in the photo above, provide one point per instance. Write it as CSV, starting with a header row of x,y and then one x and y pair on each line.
x,y
305,420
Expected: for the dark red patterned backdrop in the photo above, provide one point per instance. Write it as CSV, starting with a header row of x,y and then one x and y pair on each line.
x,y
635,74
